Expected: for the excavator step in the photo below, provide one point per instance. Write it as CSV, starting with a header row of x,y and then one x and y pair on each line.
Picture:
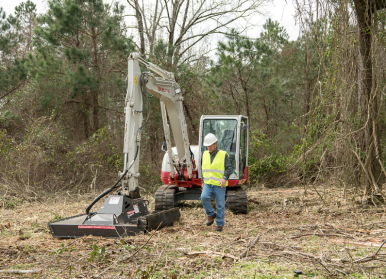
x,y
237,200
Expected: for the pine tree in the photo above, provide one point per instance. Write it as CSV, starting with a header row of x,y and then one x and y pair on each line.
x,y
81,54
12,70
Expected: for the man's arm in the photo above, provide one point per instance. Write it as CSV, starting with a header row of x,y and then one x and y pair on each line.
x,y
228,167
228,170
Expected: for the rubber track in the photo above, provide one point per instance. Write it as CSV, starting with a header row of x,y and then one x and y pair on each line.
x,y
164,197
237,200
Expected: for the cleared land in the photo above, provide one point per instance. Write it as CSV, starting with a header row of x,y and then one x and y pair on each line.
x,y
320,232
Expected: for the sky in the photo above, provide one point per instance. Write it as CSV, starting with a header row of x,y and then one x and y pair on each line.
x,y
282,11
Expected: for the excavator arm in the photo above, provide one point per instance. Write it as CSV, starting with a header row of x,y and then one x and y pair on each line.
x,y
126,214
165,88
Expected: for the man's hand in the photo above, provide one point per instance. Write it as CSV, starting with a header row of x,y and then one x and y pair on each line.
x,y
202,186
223,182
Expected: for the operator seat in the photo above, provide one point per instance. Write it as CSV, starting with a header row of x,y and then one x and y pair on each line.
x,y
226,141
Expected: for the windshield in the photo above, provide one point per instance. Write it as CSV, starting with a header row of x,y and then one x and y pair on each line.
x,y
225,131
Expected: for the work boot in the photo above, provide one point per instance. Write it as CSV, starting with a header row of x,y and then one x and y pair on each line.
x,y
211,219
218,229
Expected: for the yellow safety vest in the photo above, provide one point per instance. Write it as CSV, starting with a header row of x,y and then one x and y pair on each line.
x,y
212,173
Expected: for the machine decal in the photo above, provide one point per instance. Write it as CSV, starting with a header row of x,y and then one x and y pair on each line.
x,y
114,200
163,89
136,208
131,212
97,227
135,80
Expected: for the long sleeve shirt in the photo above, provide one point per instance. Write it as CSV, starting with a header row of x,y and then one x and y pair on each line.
x,y
227,164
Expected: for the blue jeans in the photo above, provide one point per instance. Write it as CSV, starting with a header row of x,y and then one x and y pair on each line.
x,y
219,196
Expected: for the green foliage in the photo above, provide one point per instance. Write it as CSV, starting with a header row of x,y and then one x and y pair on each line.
x,y
81,51
8,118
5,143
65,120
62,250
269,166
98,254
159,55
259,78
272,161
99,150
56,217
12,70
145,274
11,203
15,41
51,160
274,35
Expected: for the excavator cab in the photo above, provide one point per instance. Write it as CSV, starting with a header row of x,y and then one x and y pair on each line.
x,y
232,135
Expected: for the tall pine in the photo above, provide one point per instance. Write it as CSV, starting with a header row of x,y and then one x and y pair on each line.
x,y
80,64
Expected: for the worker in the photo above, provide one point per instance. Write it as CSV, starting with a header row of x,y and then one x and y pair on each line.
x,y
216,169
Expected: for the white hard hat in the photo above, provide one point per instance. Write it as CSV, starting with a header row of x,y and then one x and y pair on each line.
x,y
209,139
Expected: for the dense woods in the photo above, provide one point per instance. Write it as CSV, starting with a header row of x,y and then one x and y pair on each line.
x,y
315,104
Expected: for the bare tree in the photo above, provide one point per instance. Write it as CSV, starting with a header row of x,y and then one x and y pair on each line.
x,y
188,22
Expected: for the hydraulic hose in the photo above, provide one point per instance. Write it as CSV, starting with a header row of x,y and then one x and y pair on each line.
x,y
144,94
97,199
112,188
191,153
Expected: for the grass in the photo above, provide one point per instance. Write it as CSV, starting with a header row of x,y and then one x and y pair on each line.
x,y
290,225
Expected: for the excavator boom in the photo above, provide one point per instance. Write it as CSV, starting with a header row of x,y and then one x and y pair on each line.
x,y
126,214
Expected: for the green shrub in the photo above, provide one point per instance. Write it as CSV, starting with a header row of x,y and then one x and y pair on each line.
x,y
265,160
269,166
42,157
5,143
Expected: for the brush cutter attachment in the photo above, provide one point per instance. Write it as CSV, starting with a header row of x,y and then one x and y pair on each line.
x,y
119,216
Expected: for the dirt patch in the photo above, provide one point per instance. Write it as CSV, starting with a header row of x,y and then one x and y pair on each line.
x,y
314,231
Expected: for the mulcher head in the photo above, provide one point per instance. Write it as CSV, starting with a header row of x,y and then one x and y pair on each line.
x,y
119,216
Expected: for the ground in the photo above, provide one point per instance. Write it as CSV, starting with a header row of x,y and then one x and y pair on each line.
x,y
319,232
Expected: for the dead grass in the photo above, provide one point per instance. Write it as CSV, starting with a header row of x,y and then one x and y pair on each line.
x,y
285,230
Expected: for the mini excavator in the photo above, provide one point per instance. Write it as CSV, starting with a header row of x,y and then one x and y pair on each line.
x,y
126,214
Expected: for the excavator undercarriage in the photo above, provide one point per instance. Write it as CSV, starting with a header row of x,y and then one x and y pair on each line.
x,y
168,196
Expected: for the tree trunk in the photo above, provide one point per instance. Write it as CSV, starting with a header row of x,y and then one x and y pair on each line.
x,y
235,100
138,15
372,166
307,87
178,43
151,33
95,92
172,28
84,112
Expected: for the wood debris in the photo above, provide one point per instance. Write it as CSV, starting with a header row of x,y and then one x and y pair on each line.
x,y
211,253
369,243
19,271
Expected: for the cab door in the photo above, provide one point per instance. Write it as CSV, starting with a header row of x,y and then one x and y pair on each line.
x,y
243,148
232,137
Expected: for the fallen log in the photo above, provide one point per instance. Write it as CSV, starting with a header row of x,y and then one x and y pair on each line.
x,y
20,271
